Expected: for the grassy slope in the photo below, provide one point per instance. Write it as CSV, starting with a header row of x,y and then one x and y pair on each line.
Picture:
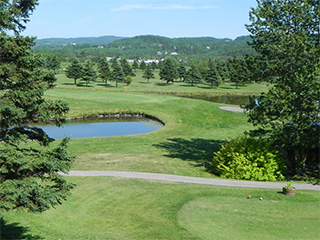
x,y
115,208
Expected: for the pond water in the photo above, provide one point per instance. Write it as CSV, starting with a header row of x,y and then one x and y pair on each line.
x,y
102,128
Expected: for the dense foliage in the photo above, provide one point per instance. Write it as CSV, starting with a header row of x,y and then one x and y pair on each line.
x,y
286,35
248,159
29,164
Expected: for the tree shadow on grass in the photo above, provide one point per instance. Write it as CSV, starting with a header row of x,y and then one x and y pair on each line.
x,y
207,87
108,85
9,231
84,85
199,152
66,83
162,84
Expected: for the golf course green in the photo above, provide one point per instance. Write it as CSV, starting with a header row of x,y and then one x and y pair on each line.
x,y
121,208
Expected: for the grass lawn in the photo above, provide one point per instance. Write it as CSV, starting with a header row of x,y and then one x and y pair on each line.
x,y
116,208
193,130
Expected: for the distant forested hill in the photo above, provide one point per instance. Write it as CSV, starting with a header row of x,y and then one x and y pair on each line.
x,y
153,46
63,42
147,46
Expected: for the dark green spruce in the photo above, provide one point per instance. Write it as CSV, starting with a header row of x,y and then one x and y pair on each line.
x,y
30,164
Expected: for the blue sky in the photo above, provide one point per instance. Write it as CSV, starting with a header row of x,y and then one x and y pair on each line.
x,y
128,18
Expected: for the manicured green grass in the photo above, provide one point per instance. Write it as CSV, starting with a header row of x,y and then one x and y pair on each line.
x,y
193,130
116,208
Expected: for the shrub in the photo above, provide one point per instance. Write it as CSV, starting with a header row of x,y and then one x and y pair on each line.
x,y
248,159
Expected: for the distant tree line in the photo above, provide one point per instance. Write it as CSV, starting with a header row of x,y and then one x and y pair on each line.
x,y
152,47
212,71
113,71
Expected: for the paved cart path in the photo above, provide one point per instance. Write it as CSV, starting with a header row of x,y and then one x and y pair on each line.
x,y
192,180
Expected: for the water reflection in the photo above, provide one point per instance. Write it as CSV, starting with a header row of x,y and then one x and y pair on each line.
x,y
102,128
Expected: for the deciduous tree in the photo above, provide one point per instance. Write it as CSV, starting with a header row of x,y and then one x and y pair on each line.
x,y
286,35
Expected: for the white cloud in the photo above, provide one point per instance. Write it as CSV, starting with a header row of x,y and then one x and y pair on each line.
x,y
164,7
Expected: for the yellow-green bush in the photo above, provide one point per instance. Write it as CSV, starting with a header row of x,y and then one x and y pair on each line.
x,y
248,159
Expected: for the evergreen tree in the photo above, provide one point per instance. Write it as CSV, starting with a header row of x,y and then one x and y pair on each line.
x,y
117,75
193,75
114,62
222,69
143,65
52,63
135,65
127,70
148,73
30,165
168,70
153,66
104,70
74,70
182,71
286,36
238,71
89,73
212,75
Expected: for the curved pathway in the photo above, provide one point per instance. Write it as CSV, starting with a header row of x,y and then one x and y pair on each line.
x,y
192,180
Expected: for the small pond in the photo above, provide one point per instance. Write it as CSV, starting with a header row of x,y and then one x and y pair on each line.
x,y
102,128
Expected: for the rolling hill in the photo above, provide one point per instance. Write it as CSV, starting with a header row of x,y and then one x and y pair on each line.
x,y
60,42
149,46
